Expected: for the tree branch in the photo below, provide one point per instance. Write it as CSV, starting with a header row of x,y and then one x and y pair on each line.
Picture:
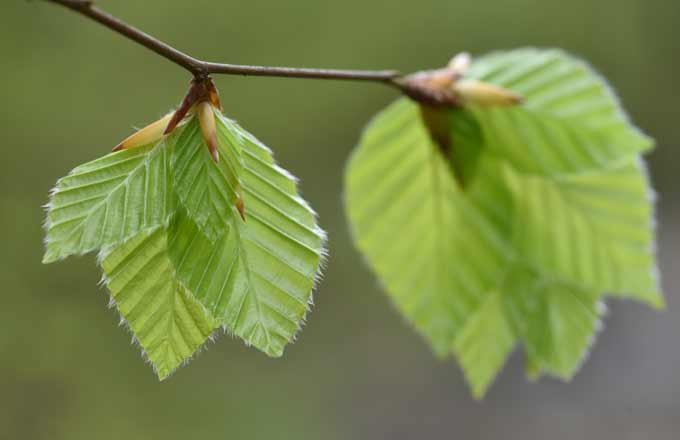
x,y
87,8
201,68
423,87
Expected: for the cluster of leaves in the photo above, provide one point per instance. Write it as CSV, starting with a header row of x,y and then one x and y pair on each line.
x,y
515,231
177,255
488,225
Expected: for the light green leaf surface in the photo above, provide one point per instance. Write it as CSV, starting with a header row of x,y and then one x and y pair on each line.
x,y
208,190
554,214
556,320
414,226
108,200
609,208
165,318
257,276
595,229
570,121
467,146
484,343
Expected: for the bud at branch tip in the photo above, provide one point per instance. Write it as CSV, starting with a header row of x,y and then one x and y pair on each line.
x,y
477,92
147,135
206,118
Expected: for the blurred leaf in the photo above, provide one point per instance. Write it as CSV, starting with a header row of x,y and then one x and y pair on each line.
x,y
556,320
570,122
594,229
555,213
484,342
164,317
414,225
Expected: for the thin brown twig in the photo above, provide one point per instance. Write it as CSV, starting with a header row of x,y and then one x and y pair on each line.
x,y
200,68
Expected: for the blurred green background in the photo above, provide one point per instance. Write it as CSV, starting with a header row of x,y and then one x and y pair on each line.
x,y
72,89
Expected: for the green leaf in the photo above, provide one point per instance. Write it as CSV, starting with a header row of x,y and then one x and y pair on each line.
x,y
257,277
414,225
593,229
610,208
108,200
484,342
556,320
208,190
570,121
165,318
554,213
468,145
177,256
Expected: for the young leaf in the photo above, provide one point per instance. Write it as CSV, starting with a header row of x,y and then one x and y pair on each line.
x,y
432,249
570,120
554,212
484,342
208,189
165,318
108,200
257,276
183,256
556,320
595,229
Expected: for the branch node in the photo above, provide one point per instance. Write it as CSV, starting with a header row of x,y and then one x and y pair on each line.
x,y
424,88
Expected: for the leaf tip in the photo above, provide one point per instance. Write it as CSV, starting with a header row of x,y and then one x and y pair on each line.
x,y
275,352
478,393
163,373
658,302
51,255
532,369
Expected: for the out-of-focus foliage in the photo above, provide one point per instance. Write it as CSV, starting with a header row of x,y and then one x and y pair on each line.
x,y
556,215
